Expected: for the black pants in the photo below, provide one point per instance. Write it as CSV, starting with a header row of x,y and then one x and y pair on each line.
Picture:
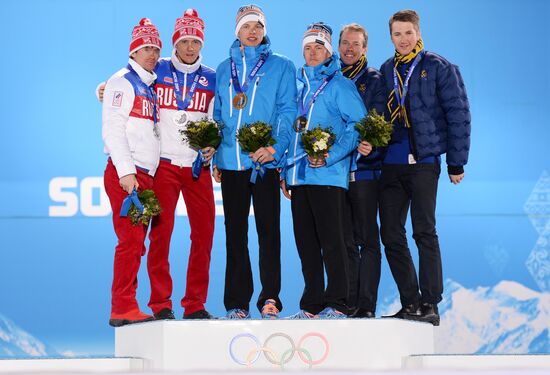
x,y
236,193
362,243
401,185
317,213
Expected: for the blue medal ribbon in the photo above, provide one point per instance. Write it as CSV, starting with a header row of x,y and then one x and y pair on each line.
x,y
305,109
360,73
184,103
151,95
354,157
258,169
235,76
197,165
127,203
401,100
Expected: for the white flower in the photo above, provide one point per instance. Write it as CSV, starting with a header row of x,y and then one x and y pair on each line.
x,y
253,129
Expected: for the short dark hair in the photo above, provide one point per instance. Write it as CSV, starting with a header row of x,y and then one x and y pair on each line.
x,y
407,15
357,28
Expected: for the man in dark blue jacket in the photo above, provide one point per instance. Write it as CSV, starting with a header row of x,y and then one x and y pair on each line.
x,y
361,222
428,106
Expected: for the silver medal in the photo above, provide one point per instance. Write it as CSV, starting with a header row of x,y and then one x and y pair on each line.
x,y
181,118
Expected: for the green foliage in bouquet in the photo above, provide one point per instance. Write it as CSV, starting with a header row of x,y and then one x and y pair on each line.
x,y
201,134
317,141
151,207
374,129
253,136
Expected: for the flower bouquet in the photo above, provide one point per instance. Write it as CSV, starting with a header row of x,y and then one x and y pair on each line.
x,y
140,207
201,134
252,137
374,129
317,141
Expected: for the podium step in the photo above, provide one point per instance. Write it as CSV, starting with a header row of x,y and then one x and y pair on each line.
x,y
222,345
478,362
71,365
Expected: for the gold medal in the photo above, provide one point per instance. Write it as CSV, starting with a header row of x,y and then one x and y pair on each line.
x,y
240,100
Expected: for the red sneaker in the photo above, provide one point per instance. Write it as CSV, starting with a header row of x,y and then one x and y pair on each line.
x,y
130,317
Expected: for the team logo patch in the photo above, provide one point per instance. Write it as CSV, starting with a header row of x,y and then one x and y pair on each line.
x,y
168,79
203,81
117,98
424,74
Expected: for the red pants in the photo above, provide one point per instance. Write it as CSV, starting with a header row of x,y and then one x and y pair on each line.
x,y
130,247
199,200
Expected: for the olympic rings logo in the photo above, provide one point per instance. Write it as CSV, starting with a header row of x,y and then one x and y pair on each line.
x,y
286,356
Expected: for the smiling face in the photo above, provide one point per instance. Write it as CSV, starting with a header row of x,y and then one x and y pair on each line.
x,y
315,54
188,49
251,34
352,46
147,57
404,36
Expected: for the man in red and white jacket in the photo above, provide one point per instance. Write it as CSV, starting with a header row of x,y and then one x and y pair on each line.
x,y
185,89
130,134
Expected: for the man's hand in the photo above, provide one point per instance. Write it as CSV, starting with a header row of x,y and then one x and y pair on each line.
x,y
128,183
100,92
217,174
456,178
316,162
207,154
364,148
263,155
286,192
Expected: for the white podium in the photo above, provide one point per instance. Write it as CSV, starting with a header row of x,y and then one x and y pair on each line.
x,y
229,345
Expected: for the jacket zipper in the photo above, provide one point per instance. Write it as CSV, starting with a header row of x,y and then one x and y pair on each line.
x,y
253,96
298,134
237,147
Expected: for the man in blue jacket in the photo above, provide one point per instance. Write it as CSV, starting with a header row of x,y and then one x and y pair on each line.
x,y
319,185
253,84
361,221
428,105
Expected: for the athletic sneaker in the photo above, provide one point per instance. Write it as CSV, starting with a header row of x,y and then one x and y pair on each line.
x,y
201,315
237,314
165,314
331,313
270,310
302,314
131,317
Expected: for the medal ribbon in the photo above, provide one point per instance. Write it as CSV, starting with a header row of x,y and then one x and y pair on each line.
x,y
405,88
151,95
197,165
305,109
184,103
253,72
258,169
127,204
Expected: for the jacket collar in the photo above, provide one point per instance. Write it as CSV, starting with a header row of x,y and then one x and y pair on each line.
x,y
185,68
250,53
320,71
144,75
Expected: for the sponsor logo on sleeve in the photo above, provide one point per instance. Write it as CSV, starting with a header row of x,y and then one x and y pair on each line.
x,y
117,98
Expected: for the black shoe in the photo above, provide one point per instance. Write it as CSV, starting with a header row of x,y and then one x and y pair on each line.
x,y
430,313
362,313
409,312
201,314
165,314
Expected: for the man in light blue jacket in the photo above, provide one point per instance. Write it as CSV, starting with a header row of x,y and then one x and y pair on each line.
x,y
318,186
253,84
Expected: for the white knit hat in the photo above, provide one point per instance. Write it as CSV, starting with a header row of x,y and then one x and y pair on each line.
x,y
249,13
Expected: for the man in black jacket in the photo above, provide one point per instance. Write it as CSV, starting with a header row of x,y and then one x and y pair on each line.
x,y
361,225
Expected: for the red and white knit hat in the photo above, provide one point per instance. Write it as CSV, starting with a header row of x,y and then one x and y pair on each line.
x,y
249,13
145,35
188,26
318,32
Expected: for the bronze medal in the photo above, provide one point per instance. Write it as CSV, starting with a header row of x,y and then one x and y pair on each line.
x,y
240,100
300,124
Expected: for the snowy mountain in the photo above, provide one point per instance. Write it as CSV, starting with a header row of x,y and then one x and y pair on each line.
x,y
507,318
16,343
